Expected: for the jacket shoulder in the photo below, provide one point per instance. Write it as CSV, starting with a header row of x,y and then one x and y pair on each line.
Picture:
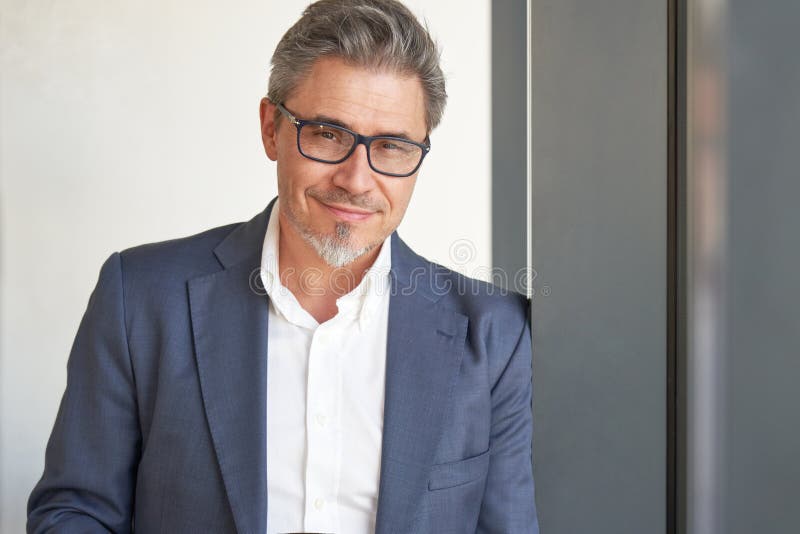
x,y
478,299
183,258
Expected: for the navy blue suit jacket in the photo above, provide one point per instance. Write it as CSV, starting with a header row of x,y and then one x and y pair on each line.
x,y
162,427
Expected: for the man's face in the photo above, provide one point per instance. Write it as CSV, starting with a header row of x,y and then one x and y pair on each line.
x,y
343,210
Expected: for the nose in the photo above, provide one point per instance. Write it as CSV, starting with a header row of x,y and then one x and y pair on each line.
x,y
354,174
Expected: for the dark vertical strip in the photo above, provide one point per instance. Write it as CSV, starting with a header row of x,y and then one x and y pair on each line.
x,y
678,263
672,281
509,140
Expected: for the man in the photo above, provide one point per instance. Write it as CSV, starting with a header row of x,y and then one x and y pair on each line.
x,y
303,371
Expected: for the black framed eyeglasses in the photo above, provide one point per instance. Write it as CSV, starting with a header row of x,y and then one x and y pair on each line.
x,y
329,143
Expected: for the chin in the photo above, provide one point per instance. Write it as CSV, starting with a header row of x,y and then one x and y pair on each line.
x,y
335,252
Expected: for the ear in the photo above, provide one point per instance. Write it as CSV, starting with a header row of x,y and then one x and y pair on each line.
x,y
269,131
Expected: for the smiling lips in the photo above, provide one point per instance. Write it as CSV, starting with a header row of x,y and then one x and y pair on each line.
x,y
349,214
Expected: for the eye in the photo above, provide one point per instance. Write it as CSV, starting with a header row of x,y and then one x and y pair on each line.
x,y
398,147
326,133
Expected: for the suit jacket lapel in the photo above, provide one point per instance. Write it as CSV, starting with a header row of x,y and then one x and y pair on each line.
x,y
424,349
229,324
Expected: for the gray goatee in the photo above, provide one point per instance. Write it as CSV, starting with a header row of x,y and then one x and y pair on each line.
x,y
335,250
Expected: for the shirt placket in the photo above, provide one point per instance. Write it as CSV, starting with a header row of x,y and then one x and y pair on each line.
x,y
322,429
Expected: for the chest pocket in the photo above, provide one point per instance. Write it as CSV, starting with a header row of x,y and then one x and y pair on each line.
x,y
452,474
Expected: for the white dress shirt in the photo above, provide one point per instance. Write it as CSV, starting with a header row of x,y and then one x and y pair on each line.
x,y
325,392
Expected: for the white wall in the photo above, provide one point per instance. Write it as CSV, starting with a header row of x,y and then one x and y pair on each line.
x,y
128,122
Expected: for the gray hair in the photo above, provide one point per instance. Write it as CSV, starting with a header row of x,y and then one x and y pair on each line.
x,y
376,34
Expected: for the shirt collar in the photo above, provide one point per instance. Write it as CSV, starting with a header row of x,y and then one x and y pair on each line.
x,y
361,301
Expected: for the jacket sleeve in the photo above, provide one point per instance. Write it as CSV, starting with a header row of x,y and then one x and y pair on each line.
x,y
92,455
508,504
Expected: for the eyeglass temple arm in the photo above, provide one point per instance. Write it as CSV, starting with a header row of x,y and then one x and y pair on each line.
x,y
287,114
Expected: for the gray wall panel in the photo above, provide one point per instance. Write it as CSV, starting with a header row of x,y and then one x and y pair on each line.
x,y
763,425
509,143
599,108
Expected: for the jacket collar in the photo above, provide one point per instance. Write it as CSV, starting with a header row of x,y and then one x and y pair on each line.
x,y
244,243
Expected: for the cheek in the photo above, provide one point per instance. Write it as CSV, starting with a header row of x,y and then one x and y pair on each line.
x,y
400,197
298,176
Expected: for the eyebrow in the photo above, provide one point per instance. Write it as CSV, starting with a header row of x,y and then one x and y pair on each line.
x,y
337,122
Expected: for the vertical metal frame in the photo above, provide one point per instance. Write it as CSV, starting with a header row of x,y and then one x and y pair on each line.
x,y
674,173
676,267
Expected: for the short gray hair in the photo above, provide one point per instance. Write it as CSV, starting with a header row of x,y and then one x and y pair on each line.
x,y
376,34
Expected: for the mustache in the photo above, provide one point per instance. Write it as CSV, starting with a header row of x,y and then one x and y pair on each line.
x,y
340,196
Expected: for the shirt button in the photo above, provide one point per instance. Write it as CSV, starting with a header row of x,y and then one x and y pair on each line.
x,y
321,419
319,504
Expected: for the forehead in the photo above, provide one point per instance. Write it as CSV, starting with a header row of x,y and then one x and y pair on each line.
x,y
366,100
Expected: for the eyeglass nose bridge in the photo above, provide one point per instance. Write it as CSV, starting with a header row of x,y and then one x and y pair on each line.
x,y
361,140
